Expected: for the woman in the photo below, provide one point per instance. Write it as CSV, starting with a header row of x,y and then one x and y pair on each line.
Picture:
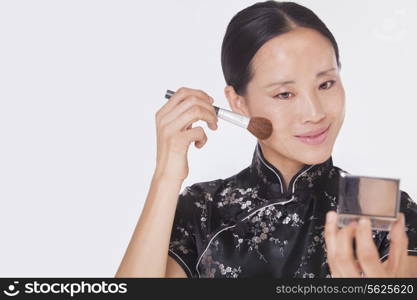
x,y
280,62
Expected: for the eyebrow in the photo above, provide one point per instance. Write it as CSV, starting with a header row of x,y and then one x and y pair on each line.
x,y
319,74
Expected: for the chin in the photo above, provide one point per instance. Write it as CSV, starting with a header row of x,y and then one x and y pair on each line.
x,y
315,157
310,155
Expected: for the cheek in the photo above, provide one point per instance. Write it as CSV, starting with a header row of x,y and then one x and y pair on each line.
x,y
281,116
277,115
263,108
335,105
335,111
338,103
282,122
281,119
259,107
340,111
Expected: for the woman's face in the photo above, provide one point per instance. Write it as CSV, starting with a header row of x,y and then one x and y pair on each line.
x,y
312,99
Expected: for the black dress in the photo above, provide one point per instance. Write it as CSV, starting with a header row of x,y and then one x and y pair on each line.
x,y
249,225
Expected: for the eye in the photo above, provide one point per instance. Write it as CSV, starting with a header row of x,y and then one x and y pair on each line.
x,y
283,96
327,85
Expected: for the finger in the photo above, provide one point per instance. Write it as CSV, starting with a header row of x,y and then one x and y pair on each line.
x,y
345,259
330,234
184,106
366,250
193,114
179,96
398,245
196,135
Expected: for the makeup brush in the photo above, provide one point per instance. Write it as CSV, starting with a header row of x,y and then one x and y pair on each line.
x,y
258,126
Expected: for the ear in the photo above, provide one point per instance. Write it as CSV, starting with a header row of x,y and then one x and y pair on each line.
x,y
236,102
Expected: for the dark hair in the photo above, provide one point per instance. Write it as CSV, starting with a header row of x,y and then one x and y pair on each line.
x,y
253,26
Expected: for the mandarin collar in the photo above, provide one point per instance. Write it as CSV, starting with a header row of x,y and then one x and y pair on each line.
x,y
271,180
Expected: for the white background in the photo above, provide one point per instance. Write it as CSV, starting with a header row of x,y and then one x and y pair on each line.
x,y
80,82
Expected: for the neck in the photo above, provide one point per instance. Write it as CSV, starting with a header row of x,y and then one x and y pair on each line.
x,y
286,166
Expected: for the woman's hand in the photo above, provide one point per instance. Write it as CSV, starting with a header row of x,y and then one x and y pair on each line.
x,y
340,253
175,133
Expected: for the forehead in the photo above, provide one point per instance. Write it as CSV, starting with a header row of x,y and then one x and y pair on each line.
x,y
301,49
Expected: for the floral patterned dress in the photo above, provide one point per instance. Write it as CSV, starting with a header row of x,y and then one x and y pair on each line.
x,y
250,225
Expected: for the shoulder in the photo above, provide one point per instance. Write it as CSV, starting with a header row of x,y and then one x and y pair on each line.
x,y
407,203
210,190
207,201
409,207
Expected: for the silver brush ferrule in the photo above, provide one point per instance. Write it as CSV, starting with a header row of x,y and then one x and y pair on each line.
x,y
232,117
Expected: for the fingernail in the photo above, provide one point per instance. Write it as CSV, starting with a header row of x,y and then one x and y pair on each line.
x,y
330,217
364,221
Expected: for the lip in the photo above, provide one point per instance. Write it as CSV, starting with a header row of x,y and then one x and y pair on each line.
x,y
314,137
314,132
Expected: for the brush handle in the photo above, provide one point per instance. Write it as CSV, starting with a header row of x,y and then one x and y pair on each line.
x,y
232,117
225,114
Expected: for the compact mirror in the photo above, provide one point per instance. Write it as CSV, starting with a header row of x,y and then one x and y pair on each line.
x,y
375,197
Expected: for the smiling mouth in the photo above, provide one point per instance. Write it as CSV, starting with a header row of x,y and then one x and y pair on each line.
x,y
314,135
315,139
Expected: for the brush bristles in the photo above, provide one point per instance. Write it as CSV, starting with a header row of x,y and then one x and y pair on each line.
x,y
260,127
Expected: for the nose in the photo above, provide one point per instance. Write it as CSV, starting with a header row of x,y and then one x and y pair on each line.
x,y
313,110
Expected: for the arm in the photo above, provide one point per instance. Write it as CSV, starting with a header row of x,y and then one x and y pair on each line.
x,y
146,255
147,252
174,270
